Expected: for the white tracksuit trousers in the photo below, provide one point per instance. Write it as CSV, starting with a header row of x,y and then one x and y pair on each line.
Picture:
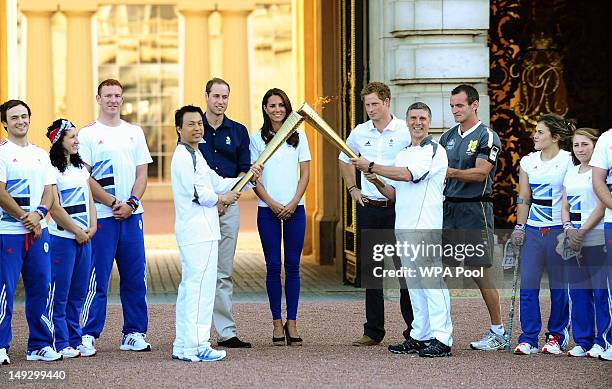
x,y
431,304
196,297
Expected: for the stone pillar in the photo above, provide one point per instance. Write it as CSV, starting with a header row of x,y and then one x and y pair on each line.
x,y
39,74
3,54
236,58
196,63
80,93
424,48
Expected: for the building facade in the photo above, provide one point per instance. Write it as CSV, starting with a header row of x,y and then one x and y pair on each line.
x,y
525,58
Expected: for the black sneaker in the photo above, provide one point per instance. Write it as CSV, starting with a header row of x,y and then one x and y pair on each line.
x,y
234,342
410,346
435,349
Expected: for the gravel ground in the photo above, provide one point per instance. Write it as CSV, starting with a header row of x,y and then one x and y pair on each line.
x,y
326,360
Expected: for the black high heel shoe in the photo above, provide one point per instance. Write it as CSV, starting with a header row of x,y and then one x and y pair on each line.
x,y
278,341
291,341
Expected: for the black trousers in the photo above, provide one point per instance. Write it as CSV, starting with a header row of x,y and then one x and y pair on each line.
x,y
370,217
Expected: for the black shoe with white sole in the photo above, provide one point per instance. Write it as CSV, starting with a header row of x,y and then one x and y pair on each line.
x,y
409,346
435,349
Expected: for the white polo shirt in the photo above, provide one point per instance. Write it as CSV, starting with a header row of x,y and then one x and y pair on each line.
x,y
73,191
380,148
418,203
196,222
280,176
602,158
113,154
25,171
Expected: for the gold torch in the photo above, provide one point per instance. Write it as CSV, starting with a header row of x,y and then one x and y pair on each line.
x,y
291,124
313,118
293,121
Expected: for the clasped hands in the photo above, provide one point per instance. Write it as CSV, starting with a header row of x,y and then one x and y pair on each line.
x,y
575,236
283,212
31,221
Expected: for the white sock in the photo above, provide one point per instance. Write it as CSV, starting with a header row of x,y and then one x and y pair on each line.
x,y
498,329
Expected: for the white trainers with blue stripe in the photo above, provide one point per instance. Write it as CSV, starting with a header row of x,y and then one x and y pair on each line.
x,y
134,342
209,354
46,354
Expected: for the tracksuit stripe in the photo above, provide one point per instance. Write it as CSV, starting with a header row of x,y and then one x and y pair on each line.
x,y
91,292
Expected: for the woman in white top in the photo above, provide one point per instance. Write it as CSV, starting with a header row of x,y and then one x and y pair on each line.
x,y
582,221
281,215
73,225
538,225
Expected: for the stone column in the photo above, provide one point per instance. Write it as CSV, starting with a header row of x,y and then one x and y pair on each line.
x,y
424,48
39,74
196,63
3,55
80,93
236,58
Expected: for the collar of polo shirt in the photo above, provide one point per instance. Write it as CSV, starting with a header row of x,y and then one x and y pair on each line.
x,y
427,140
390,127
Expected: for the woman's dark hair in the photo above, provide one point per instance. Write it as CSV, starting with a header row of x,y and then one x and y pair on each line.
x,y
590,133
57,154
267,133
560,127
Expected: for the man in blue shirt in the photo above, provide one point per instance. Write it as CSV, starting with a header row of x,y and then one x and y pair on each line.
x,y
225,147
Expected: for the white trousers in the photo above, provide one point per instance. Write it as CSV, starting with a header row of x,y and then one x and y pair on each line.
x,y
431,310
196,297
429,296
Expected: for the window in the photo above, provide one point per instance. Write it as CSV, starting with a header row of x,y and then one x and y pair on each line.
x,y
138,45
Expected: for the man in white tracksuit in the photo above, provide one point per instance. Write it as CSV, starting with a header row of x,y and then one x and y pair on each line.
x,y
197,190
417,189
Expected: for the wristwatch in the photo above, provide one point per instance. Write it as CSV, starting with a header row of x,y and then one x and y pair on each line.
x,y
370,166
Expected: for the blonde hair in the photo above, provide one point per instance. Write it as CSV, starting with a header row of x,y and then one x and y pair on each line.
x,y
590,133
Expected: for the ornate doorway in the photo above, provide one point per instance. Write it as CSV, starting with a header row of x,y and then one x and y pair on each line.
x,y
546,56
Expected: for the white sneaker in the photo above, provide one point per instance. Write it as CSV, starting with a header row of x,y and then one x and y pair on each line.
x,y
525,349
606,355
4,358
70,352
552,345
577,351
491,342
595,351
210,355
134,342
88,346
207,355
46,354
